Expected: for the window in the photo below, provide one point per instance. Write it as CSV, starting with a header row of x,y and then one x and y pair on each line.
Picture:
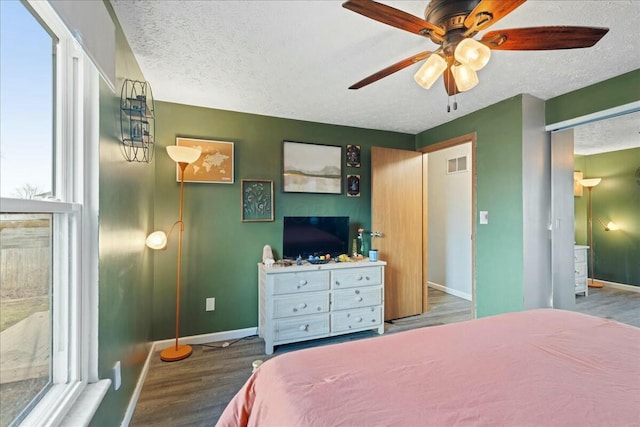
x,y
48,103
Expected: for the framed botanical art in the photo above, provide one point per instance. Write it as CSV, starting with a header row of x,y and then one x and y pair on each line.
x,y
353,156
353,185
215,165
311,168
257,200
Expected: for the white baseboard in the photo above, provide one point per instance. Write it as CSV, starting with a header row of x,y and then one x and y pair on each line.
x,y
450,291
622,286
159,345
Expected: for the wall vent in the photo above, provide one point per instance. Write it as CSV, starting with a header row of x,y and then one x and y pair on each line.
x,y
457,164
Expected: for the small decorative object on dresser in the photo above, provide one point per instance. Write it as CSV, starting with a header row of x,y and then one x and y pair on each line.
x,y
300,303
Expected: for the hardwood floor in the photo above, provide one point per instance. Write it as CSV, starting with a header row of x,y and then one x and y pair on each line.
x,y
195,391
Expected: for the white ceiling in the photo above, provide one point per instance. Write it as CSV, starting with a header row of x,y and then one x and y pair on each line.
x,y
296,59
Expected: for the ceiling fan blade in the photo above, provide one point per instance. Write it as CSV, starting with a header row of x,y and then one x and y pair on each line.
x,y
450,82
391,16
391,69
488,12
543,38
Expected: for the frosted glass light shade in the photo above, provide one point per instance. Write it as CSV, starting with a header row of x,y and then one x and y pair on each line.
x,y
157,240
465,77
181,154
590,182
472,53
433,67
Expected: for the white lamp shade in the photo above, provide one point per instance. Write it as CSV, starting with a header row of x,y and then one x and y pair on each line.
x,y
157,240
433,67
612,226
464,76
472,53
590,182
181,154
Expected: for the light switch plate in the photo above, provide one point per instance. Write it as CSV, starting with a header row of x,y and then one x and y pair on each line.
x,y
484,217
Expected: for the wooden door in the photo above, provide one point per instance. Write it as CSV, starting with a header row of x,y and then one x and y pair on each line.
x,y
396,212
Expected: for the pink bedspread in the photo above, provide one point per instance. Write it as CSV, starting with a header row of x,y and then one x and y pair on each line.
x,y
532,368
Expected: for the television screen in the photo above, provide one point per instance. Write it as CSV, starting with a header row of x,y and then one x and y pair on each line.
x,y
315,235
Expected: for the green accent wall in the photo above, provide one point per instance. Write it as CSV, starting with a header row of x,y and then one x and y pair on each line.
x,y
125,267
221,253
617,199
499,254
619,90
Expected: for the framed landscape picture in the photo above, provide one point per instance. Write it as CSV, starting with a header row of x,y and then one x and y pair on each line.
x,y
311,168
215,164
257,200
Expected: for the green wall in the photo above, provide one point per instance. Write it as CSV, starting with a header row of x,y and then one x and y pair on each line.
x,y
220,253
617,199
125,267
499,255
619,90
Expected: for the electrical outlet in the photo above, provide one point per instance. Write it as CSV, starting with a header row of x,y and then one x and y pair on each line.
x,y
117,376
211,304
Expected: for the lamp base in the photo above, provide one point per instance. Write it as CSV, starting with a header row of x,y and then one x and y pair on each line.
x,y
595,285
173,354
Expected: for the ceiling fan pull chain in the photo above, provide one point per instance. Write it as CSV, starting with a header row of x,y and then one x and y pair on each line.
x,y
455,102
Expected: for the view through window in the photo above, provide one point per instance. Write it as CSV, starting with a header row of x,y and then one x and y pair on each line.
x,y
26,172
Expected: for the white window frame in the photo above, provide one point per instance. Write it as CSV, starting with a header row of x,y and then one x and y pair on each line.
x,y
75,234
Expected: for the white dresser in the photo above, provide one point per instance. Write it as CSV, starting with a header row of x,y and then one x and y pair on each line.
x,y
299,303
580,270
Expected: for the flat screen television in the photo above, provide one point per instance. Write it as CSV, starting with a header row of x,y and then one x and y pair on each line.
x,y
315,235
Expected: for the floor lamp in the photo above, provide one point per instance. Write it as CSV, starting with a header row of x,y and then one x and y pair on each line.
x,y
589,184
183,156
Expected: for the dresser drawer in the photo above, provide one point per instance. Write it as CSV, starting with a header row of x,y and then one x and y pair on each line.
x,y
580,255
358,318
301,304
357,277
303,281
580,270
356,297
301,327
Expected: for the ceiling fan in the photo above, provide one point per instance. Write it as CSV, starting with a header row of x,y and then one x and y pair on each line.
x,y
452,24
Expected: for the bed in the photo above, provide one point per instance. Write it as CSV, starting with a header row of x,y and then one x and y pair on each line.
x,y
539,367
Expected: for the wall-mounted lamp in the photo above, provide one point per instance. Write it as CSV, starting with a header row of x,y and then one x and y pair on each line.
x,y
589,184
610,226
183,156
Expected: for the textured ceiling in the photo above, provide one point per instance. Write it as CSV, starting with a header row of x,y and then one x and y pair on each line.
x,y
296,59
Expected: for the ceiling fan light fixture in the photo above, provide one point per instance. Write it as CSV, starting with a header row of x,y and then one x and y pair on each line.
x,y
433,68
465,77
472,53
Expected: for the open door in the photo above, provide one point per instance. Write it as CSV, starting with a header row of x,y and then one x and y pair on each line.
x,y
396,212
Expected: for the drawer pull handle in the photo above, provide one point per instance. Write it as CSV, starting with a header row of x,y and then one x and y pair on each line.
x,y
303,282
358,277
304,327
367,277
337,283
357,291
358,319
302,305
359,299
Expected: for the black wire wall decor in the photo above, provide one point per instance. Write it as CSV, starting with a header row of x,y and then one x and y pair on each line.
x,y
137,121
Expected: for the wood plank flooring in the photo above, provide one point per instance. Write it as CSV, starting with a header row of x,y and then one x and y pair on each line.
x,y
195,391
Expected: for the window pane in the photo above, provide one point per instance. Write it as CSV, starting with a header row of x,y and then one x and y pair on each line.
x,y
26,104
25,312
